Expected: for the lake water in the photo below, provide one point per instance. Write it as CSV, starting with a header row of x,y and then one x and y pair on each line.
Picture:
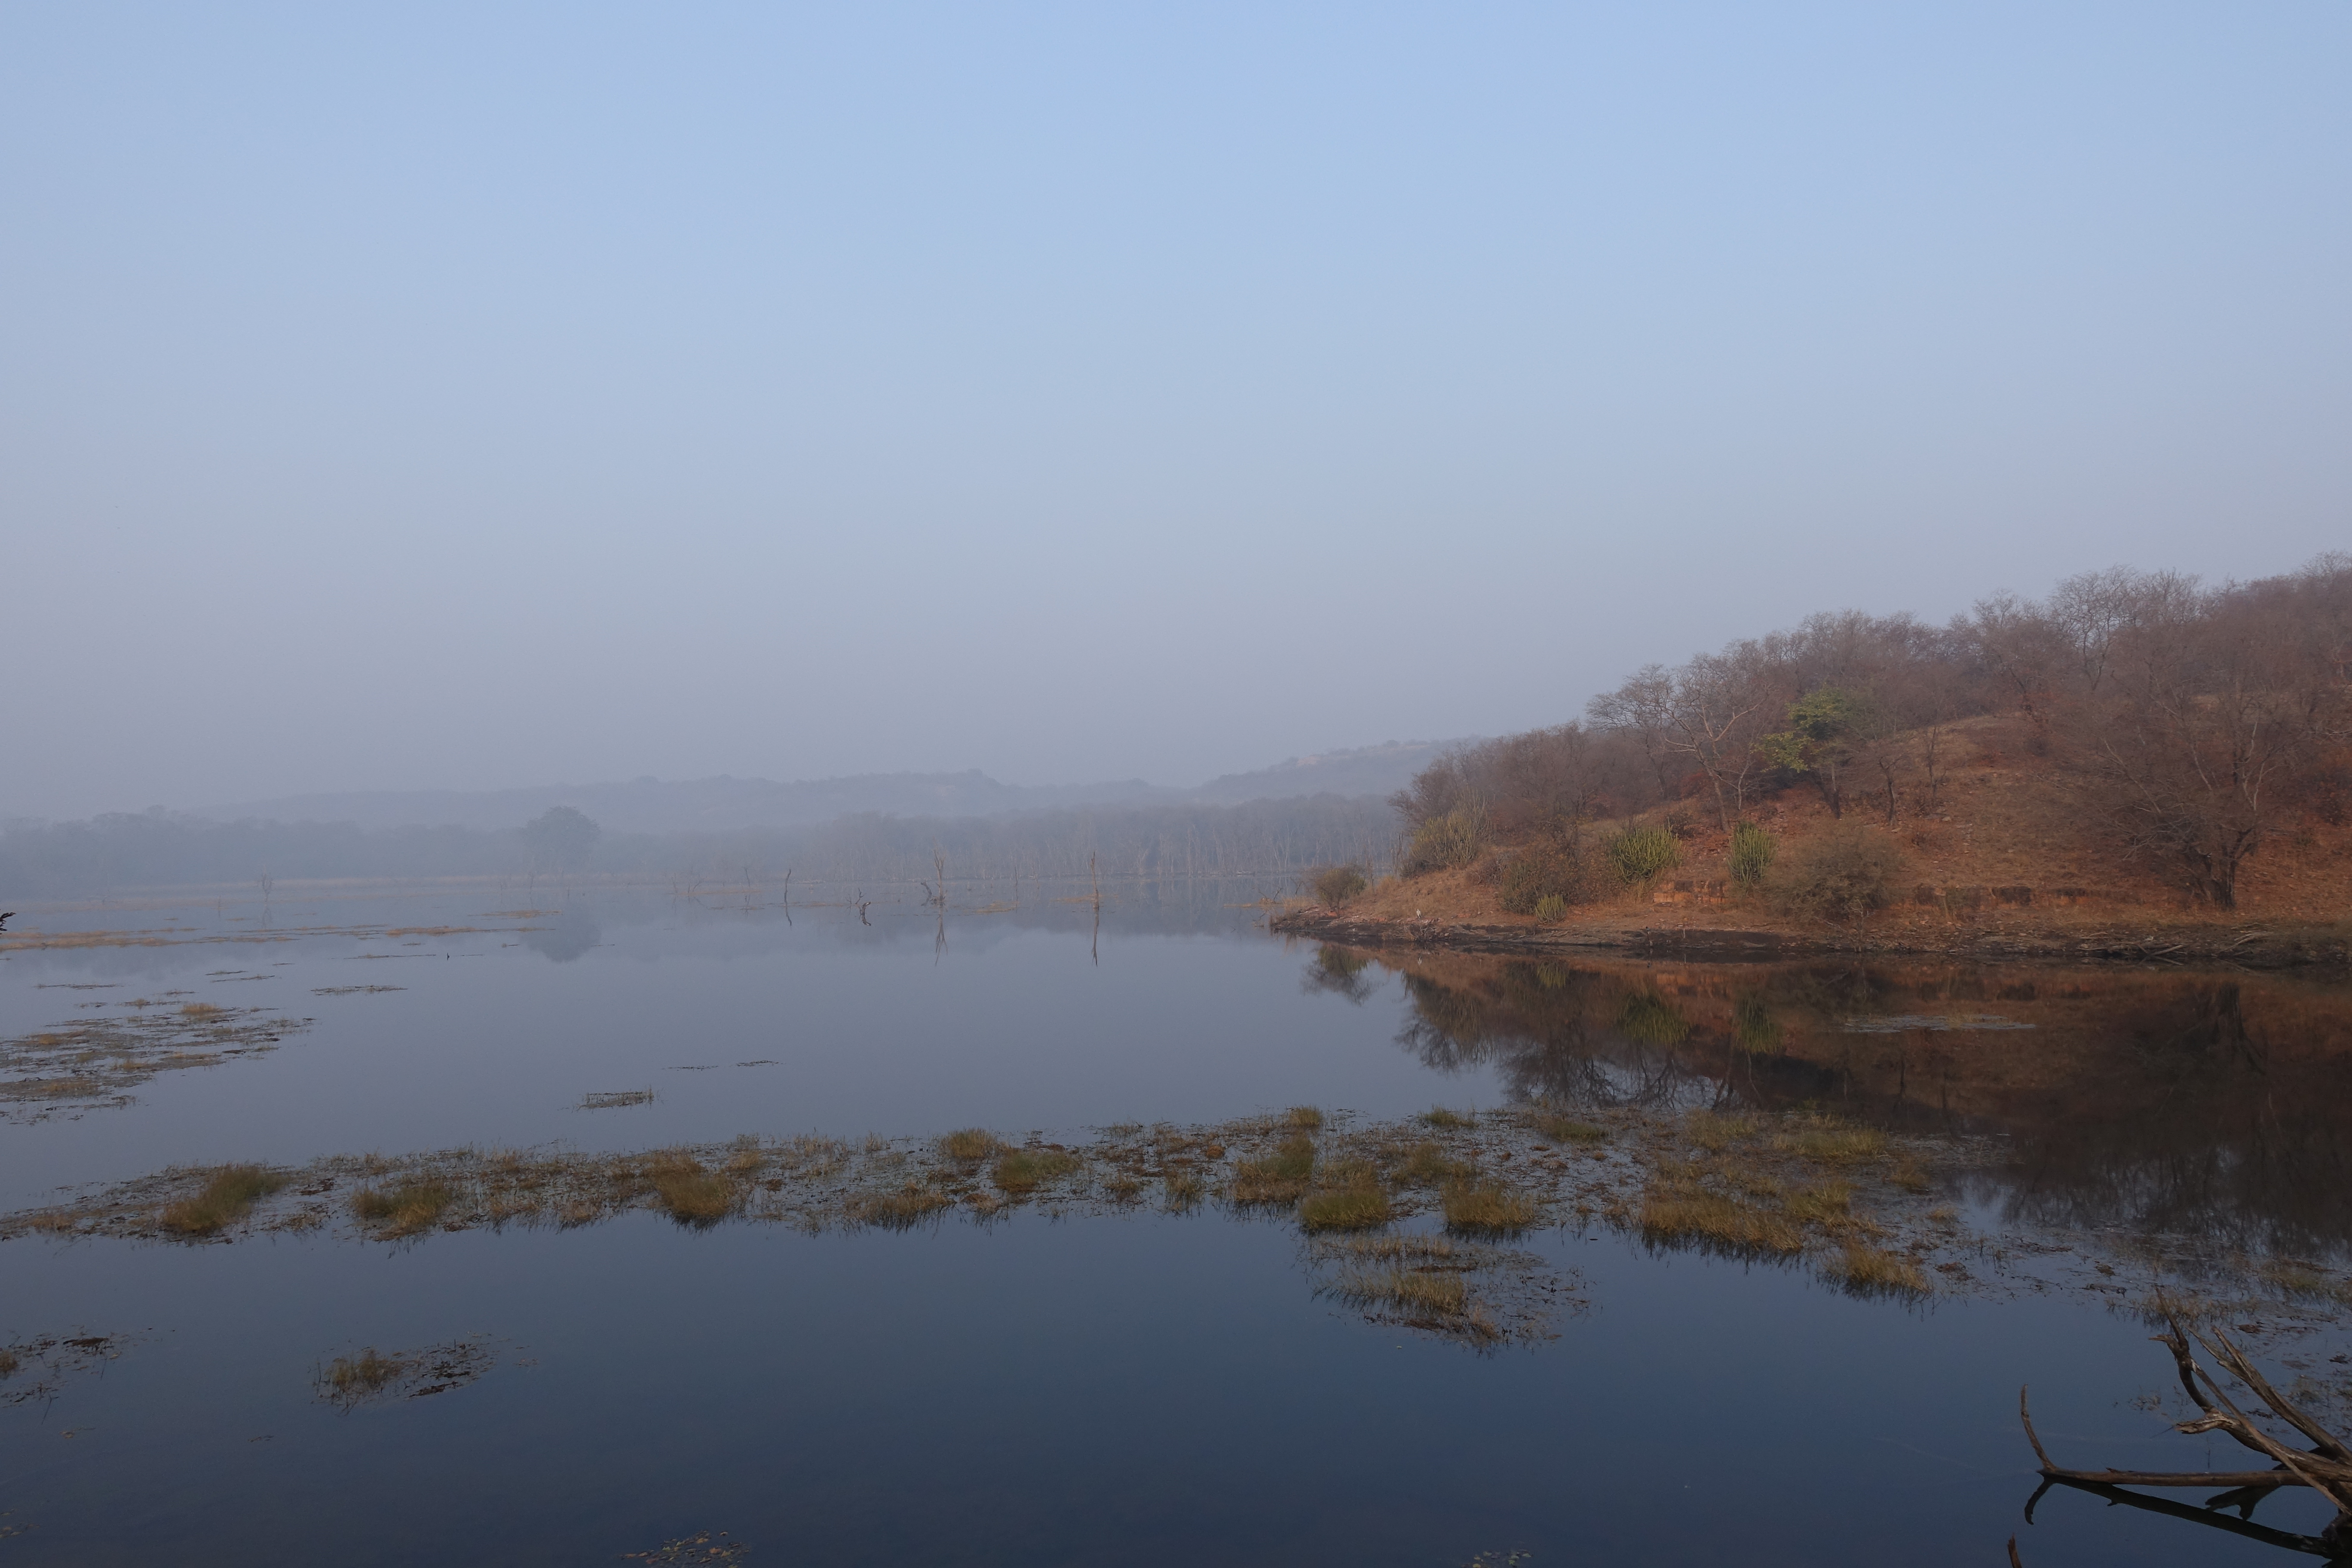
x,y
1146,1387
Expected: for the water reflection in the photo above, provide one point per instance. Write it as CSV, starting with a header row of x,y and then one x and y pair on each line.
x,y
2214,1105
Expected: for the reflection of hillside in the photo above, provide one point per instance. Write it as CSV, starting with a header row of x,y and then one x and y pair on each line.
x,y
2213,1104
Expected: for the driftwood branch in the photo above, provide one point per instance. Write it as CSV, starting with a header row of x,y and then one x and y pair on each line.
x,y
2326,1468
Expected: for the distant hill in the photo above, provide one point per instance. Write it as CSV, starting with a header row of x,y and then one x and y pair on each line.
x,y
652,806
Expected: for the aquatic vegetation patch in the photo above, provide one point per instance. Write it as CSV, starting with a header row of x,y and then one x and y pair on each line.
x,y
227,1196
85,1063
1870,1270
404,1208
690,1192
1351,1198
703,1548
970,1143
1280,1177
1486,1206
615,1099
369,1375
1026,1170
1438,1116
1306,1118
33,1370
909,1206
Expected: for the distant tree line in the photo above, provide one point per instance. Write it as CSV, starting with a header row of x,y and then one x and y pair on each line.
x,y
126,851
2187,722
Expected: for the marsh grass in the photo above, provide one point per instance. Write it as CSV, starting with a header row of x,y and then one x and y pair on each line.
x,y
8,1362
900,1210
1909,1175
1835,1145
1427,1164
405,1208
970,1145
1486,1206
2299,1280
1568,1129
692,1194
1439,1117
1715,1132
1349,1199
228,1197
348,1380
1867,1270
1185,1189
1689,1214
1025,1170
1280,1177
1306,1118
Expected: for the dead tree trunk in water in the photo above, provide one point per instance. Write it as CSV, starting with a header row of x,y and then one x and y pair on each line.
x,y
2326,1467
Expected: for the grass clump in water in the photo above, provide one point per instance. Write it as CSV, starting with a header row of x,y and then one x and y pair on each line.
x,y
1025,1170
1687,1214
692,1194
899,1210
2293,1280
1868,1271
1568,1129
1185,1189
1836,1145
970,1145
1488,1206
1438,1116
405,1209
228,1195
1280,1177
350,1379
1830,1204
1426,1165
1309,1117
1715,1133
1350,1199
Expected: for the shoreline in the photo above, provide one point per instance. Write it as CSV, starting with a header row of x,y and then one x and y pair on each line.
x,y
2295,947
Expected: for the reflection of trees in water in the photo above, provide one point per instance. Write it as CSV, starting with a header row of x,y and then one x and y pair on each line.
x,y
2219,1132
2212,1107
1555,1034
1339,971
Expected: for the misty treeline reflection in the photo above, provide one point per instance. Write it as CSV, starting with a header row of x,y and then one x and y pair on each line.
x,y
1259,838
2217,1105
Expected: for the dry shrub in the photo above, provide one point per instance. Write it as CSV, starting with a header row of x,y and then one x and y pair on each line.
x,y
1025,1170
1544,880
1845,874
1336,884
1443,843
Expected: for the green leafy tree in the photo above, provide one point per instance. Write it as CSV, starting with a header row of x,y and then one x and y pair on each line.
x,y
1820,743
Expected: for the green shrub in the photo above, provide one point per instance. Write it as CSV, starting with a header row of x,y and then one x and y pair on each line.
x,y
1445,842
1644,854
1335,885
1844,874
1546,873
1752,850
1551,907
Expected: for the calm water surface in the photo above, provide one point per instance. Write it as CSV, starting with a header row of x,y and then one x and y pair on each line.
x,y
1147,1389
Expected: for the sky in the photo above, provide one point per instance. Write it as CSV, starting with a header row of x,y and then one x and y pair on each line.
x,y
489,395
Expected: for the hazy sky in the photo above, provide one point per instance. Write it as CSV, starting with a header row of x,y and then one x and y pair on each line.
x,y
478,395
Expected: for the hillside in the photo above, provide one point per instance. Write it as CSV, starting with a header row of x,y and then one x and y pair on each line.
x,y
2138,767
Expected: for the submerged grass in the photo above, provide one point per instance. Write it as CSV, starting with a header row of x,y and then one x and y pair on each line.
x,y
350,1378
228,1197
898,1211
